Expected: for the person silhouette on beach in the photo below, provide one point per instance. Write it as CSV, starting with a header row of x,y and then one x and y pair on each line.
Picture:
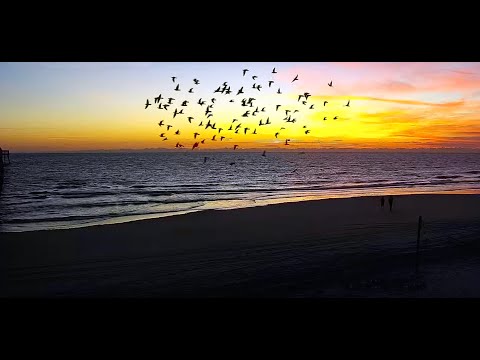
x,y
382,202
390,202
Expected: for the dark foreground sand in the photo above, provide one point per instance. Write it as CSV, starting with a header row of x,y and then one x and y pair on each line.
x,y
325,248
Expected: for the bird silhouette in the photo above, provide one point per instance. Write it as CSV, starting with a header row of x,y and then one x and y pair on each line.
x,y
234,120
273,71
158,98
307,131
222,137
220,129
213,100
260,123
254,77
231,127
299,97
270,83
168,127
348,103
325,118
335,118
177,132
286,142
295,79
147,104
165,106
268,121
238,126
203,141
278,91
200,102
195,135
173,78
213,138
330,83
244,71
259,87
196,81
276,134
195,145
278,106
165,139
311,106
235,147
177,88
325,102
246,113
170,100
254,131
304,102
245,130
201,123
306,95
185,103
218,90
160,123
162,135
191,90
240,91
190,119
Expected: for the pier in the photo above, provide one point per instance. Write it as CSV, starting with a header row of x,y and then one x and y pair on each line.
x,y
5,157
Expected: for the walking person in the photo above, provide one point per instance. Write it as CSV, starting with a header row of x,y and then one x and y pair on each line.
x,y
390,202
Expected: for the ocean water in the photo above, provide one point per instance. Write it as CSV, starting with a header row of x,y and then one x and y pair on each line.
x,y
55,191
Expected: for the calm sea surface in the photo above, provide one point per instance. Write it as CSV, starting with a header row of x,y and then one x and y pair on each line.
x,y
52,191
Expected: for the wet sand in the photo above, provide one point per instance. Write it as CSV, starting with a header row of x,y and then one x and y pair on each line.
x,y
324,248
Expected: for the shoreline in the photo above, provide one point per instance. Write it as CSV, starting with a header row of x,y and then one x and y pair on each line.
x,y
249,203
327,248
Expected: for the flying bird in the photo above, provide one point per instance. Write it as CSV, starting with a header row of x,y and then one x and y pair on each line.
x,y
325,102
325,118
348,103
278,106
299,97
203,141
278,91
270,83
173,78
254,131
191,90
311,106
254,77
330,84
213,100
195,135
160,123
168,127
244,71
295,79
240,91
158,98
196,81
307,131
170,100
286,142
235,148
177,132
190,119
222,137
245,130
276,134
162,135
177,88
200,102
185,103
273,71
213,138
195,145
147,104
165,139
335,118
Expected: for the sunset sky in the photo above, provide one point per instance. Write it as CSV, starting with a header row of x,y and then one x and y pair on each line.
x,y
87,106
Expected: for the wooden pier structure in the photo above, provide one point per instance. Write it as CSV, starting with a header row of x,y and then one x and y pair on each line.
x,y
5,157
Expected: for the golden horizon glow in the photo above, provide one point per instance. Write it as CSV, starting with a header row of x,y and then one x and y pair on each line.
x,y
406,106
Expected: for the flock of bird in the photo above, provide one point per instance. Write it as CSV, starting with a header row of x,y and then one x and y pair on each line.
x,y
226,132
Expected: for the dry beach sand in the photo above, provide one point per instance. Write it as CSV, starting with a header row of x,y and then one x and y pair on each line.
x,y
324,248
